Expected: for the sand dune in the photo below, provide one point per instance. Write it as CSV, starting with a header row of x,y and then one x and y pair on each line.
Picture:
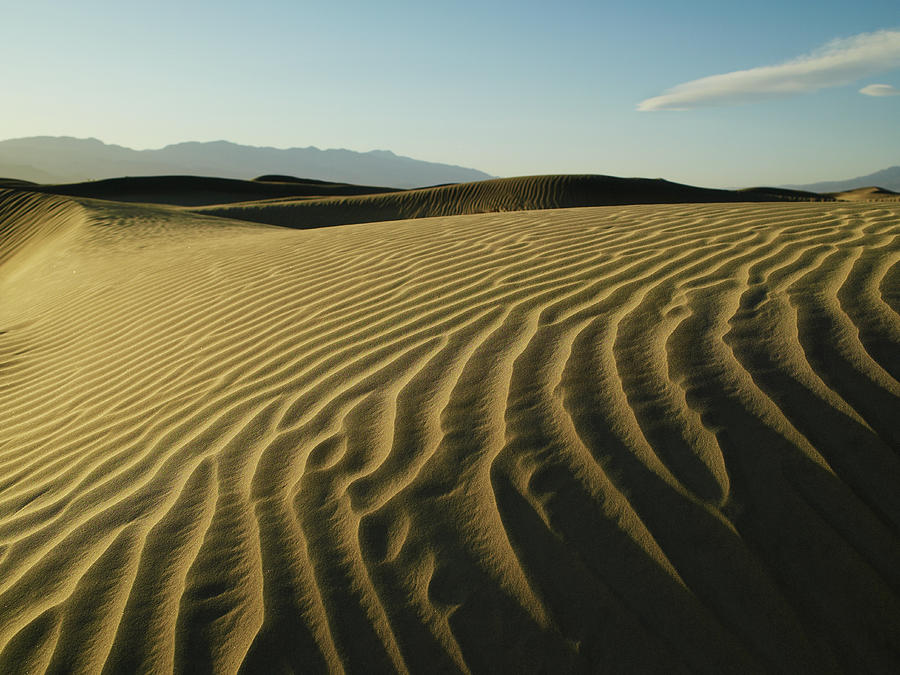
x,y
195,190
869,194
285,200
647,438
490,196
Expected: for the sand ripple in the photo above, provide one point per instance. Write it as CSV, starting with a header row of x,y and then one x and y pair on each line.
x,y
634,438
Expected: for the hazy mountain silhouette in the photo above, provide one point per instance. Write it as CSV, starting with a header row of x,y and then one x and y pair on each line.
x,y
53,159
886,178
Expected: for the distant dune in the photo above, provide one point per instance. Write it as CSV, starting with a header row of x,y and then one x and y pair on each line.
x,y
302,202
868,194
646,438
500,194
195,190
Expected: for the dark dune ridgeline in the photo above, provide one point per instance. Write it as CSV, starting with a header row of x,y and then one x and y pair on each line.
x,y
304,203
194,190
501,194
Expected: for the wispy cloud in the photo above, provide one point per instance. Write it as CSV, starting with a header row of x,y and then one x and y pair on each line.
x,y
837,63
880,90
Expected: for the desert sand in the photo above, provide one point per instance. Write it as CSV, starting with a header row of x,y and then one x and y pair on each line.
x,y
645,438
867,194
488,196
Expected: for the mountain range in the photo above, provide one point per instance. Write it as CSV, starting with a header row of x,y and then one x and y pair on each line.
x,y
63,159
886,178
51,159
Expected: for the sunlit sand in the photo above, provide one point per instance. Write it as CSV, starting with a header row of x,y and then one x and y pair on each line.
x,y
640,437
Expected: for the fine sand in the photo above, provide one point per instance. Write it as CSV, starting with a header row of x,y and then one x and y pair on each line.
x,y
643,438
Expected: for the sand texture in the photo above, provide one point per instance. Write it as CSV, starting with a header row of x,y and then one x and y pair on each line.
x,y
868,194
489,196
618,439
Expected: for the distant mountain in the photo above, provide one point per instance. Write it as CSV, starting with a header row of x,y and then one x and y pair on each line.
x,y
64,159
28,173
887,178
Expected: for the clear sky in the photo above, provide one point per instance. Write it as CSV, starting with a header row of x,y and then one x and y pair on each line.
x,y
621,87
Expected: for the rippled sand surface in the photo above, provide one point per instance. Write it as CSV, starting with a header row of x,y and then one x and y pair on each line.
x,y
652,438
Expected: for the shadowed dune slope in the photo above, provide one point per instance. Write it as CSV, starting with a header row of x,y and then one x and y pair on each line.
x,y
646,439
30,223
16,183
489,196
194,190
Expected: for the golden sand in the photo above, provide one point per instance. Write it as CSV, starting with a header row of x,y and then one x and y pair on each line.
x,y
649,438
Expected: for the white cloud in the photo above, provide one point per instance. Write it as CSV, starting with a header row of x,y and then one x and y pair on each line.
x,y
837,63
880,90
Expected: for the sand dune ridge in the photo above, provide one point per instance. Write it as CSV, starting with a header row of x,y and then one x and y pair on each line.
x,y
490,196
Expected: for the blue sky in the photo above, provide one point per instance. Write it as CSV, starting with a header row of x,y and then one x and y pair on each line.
x,y
512,88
